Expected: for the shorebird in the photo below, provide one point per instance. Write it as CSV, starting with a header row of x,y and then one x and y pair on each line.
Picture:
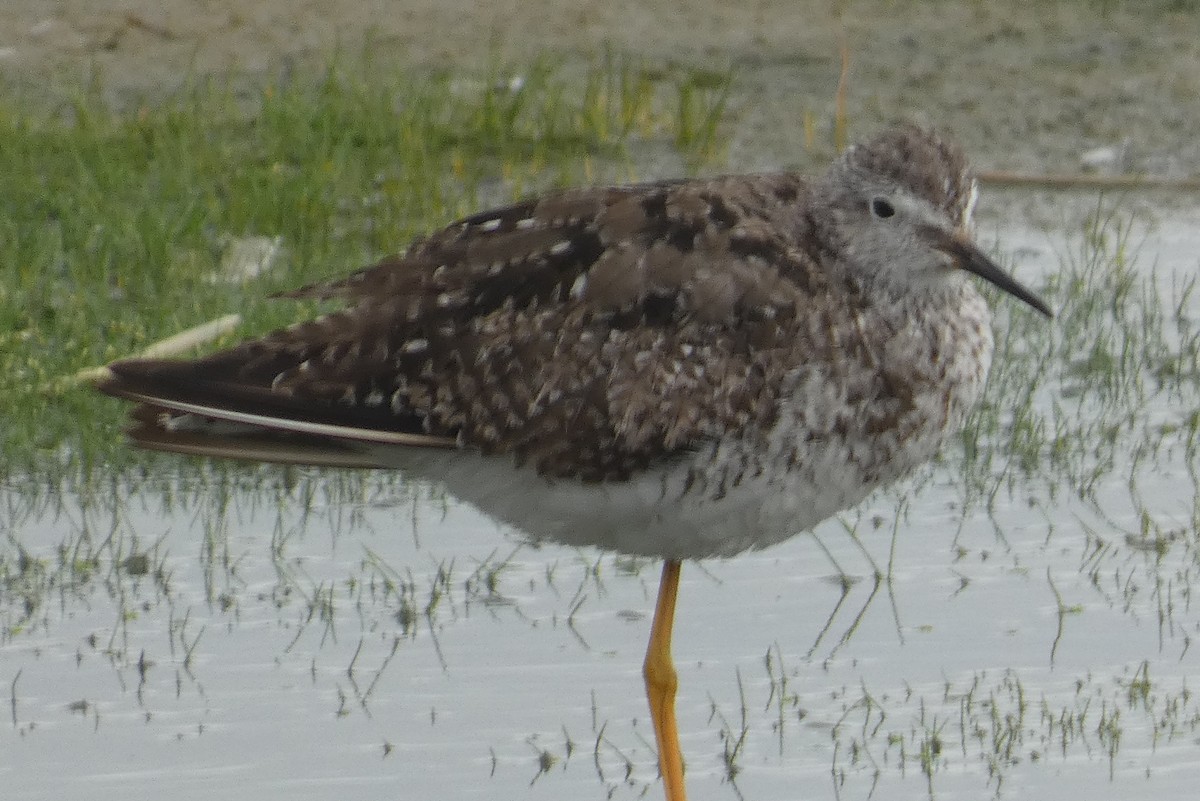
x,y
679,369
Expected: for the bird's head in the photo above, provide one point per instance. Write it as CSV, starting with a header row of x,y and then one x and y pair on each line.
x,y
901,207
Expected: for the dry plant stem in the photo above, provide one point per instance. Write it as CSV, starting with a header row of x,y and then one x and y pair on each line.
x,y
1084,181
843,87
174,344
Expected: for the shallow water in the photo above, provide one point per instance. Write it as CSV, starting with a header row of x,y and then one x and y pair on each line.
x,y
321,635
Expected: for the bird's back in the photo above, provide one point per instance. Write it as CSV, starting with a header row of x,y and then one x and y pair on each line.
x,y
680,369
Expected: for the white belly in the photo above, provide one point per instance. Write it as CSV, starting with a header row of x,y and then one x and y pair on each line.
x,y
825,453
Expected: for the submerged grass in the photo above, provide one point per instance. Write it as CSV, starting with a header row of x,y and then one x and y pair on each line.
x,y
1110,385
118,228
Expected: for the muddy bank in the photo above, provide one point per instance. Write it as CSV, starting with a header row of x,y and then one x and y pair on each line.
x,y
1030,85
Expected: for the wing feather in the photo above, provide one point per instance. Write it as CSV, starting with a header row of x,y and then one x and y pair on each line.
x,y
589,333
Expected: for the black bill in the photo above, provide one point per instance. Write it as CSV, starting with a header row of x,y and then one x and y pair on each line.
x,y
970,258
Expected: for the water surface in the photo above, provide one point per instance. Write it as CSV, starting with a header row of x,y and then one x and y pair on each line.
x,y
305,635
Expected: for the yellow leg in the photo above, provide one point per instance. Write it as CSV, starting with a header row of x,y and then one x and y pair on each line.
x,y
661,682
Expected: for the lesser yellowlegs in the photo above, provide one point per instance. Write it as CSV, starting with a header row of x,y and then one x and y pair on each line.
x,y
678,369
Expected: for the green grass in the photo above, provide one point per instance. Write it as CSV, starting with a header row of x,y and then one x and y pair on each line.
x,y
114,225
1116,374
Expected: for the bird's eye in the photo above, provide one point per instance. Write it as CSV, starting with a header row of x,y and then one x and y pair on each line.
x,y
881,208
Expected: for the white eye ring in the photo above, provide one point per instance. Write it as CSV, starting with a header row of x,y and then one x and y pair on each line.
x,y
882,208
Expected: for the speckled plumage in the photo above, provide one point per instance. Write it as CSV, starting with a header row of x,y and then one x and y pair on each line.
x,y
680,369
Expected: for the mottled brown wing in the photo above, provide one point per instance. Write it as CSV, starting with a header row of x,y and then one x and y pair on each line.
x,y
589,333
